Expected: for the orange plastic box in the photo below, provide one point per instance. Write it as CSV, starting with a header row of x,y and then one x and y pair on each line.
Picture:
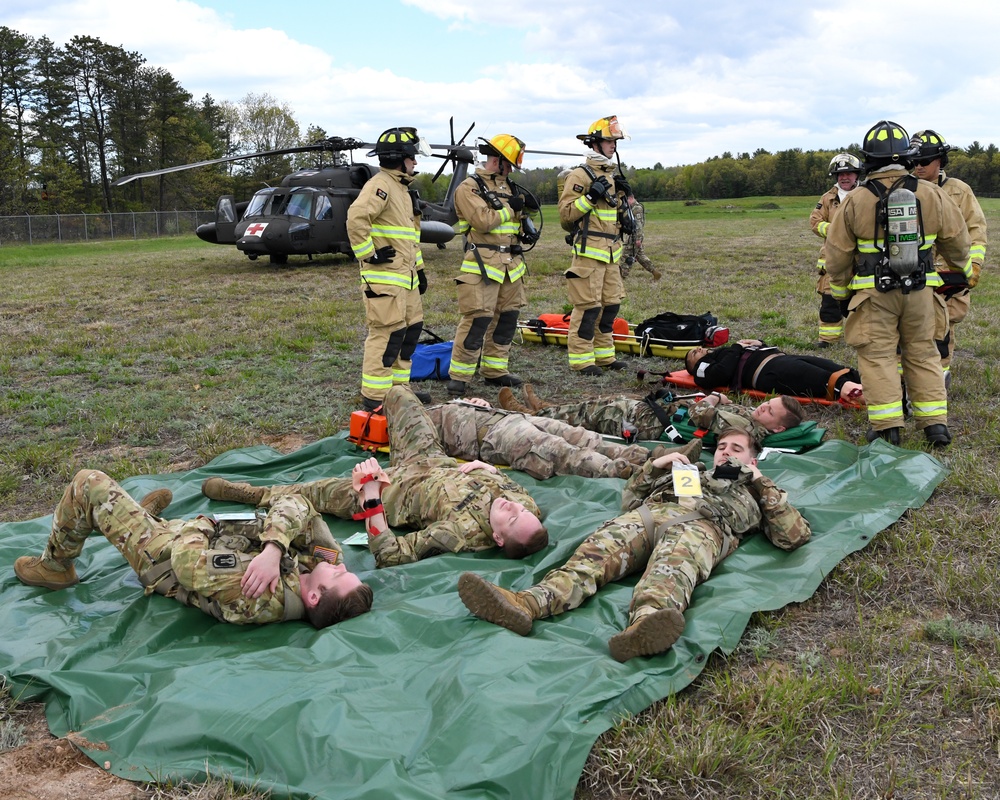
x,y
368,430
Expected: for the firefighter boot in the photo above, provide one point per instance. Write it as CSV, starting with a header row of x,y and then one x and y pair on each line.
x,y
891,435
456,388
648,635
938,435
511,403
156,501
38,571
514,611
510,379
536,403
221,489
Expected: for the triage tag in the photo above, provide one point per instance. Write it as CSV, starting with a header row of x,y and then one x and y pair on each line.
x,y
687,480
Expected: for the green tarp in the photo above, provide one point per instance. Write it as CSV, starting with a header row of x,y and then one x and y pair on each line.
x,y
417,699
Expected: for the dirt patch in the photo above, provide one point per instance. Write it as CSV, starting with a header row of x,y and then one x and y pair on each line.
x,y
47,768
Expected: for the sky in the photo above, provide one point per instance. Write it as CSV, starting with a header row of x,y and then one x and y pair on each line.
x,y
687,80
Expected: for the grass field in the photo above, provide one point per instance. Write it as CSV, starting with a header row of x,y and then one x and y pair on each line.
x,y
152,356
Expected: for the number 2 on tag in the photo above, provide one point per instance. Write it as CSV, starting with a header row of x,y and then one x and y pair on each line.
x,y
687,481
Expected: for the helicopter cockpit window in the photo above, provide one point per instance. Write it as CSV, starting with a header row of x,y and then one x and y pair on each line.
x,y
299,205
259,204
324,210
224,210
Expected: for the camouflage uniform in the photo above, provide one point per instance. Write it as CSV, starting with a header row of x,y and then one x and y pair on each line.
x,y
675,557
192,560
449,509
609,417
540,447
633,250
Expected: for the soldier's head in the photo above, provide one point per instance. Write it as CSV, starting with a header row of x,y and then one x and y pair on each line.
x,y
779,414
331,594
736,443
519,532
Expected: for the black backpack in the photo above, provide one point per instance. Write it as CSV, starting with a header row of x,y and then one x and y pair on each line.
x,y
679,329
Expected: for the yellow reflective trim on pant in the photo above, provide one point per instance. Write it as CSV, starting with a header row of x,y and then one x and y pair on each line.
x,y
493,273
406,234
376,383
931,409
365,249
604,353
387,278
581,359
495,363
462,370
822,228
400,376
831,330
886,411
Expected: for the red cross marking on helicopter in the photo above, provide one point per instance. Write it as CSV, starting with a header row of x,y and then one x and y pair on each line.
x,y
256,229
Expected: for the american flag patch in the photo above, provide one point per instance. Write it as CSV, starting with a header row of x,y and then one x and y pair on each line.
x,y
327,554
577,188
381,193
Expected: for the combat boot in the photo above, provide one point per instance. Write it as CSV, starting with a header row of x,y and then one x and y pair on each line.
x,y
221,489
511,403
938,435
648,636
37,571
614,366
510,379
592,371
623,468
156,501
514,611
423,397
536,403
367,404
456,388
891,435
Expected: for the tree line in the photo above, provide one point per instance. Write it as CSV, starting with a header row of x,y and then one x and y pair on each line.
x,y
74,118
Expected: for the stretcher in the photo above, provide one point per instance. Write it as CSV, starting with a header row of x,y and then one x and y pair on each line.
x,y
684,379
624,342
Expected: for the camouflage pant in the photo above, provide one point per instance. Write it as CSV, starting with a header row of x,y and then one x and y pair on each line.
x,y
93,501
608,416
675,559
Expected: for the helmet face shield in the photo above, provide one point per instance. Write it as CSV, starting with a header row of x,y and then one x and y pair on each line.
x,y
845,162
604,128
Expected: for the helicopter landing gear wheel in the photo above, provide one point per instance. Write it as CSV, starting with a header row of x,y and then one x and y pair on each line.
x,y
279,259
252,256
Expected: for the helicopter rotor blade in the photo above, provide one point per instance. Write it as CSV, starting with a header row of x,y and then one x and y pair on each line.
x,y
550,152
334,143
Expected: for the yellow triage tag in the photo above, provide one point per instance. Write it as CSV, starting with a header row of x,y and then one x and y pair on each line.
x,y
687,480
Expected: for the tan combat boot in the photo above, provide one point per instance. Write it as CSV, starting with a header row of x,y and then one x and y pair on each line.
x,y
511,610
692,450
156,501
36,571
221,489
511,403
624,468
649,635
536,403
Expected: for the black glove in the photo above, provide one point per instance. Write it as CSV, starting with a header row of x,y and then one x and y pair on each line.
x,y
516,202
384,255
598,190
421,281
531,202
627,224
622,185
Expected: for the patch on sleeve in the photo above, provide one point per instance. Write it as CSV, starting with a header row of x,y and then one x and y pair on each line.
x,y
381,193
577,188
475,191
702,369
819,204
223,561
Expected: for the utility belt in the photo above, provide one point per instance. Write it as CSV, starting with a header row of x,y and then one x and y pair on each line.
x,y
513,249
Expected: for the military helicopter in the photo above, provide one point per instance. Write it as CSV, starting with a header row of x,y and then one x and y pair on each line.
x,y
307,213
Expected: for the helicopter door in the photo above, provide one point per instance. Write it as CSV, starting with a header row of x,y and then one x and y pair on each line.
x,y
226,218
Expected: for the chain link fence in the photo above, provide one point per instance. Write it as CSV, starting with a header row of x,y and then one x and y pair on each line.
x,y
37,228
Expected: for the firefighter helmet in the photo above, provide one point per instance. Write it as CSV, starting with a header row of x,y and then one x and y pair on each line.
x,y
396,144
845,162
505,146
885,143
604,128
930,145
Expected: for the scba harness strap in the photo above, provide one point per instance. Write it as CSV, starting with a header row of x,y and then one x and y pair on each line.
x,y
886,264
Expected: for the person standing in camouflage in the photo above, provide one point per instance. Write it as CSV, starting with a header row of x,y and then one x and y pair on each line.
x,y
282,566
675,540
472,429
451,508
633,251
647,419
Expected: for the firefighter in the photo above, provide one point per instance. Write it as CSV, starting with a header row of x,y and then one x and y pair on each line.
x,y
879,258
929,165
846,171
490,281
592,208
383,225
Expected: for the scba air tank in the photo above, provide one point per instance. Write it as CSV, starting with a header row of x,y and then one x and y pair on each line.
x,y
904,232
